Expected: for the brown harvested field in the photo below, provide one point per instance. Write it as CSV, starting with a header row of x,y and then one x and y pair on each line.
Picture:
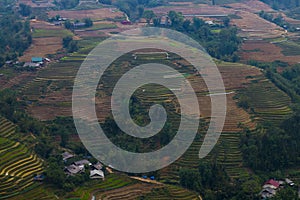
x,y
253,6
199,9
43,25
39,5
128,192
49,111
234,76
292,21
252,25
264,51
16,81
184,3
96,14
41,47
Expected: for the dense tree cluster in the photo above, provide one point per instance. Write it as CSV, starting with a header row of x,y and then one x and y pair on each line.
x,y
6,6
15,37
276,4
70,44
135,8
66,4
212,182
276,149
25,10
220,44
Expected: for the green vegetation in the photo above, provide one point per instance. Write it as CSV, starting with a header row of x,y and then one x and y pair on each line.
x,y
70,44
277,4
18,164
169,192
289,48
39,33
101,27
66,4
135,8
279,20
15,37
280,143
25,10
220,44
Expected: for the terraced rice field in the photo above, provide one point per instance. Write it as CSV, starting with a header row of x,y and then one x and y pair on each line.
x,y
112,182
7,128
270,104
39,192
18,164
50,92
130,192
171,192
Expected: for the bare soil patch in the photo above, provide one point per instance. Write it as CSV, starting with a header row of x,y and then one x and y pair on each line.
x,y
15,81
40,47
253,26
96,14
37,5
264,51
253,6
200,9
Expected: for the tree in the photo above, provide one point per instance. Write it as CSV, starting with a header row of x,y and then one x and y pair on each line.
x,y
190,179
25,10
186,25
156,21
68,24
73,46
197,23
66,41
226,21
176,19
88,22
149,15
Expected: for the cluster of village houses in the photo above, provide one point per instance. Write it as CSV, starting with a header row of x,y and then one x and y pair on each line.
x,y
78,167
272,186
35,62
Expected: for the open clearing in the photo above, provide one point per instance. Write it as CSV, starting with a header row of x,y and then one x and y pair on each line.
x,y
194,9
252,25
260,51
44,4
47,39
95,14
253,6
